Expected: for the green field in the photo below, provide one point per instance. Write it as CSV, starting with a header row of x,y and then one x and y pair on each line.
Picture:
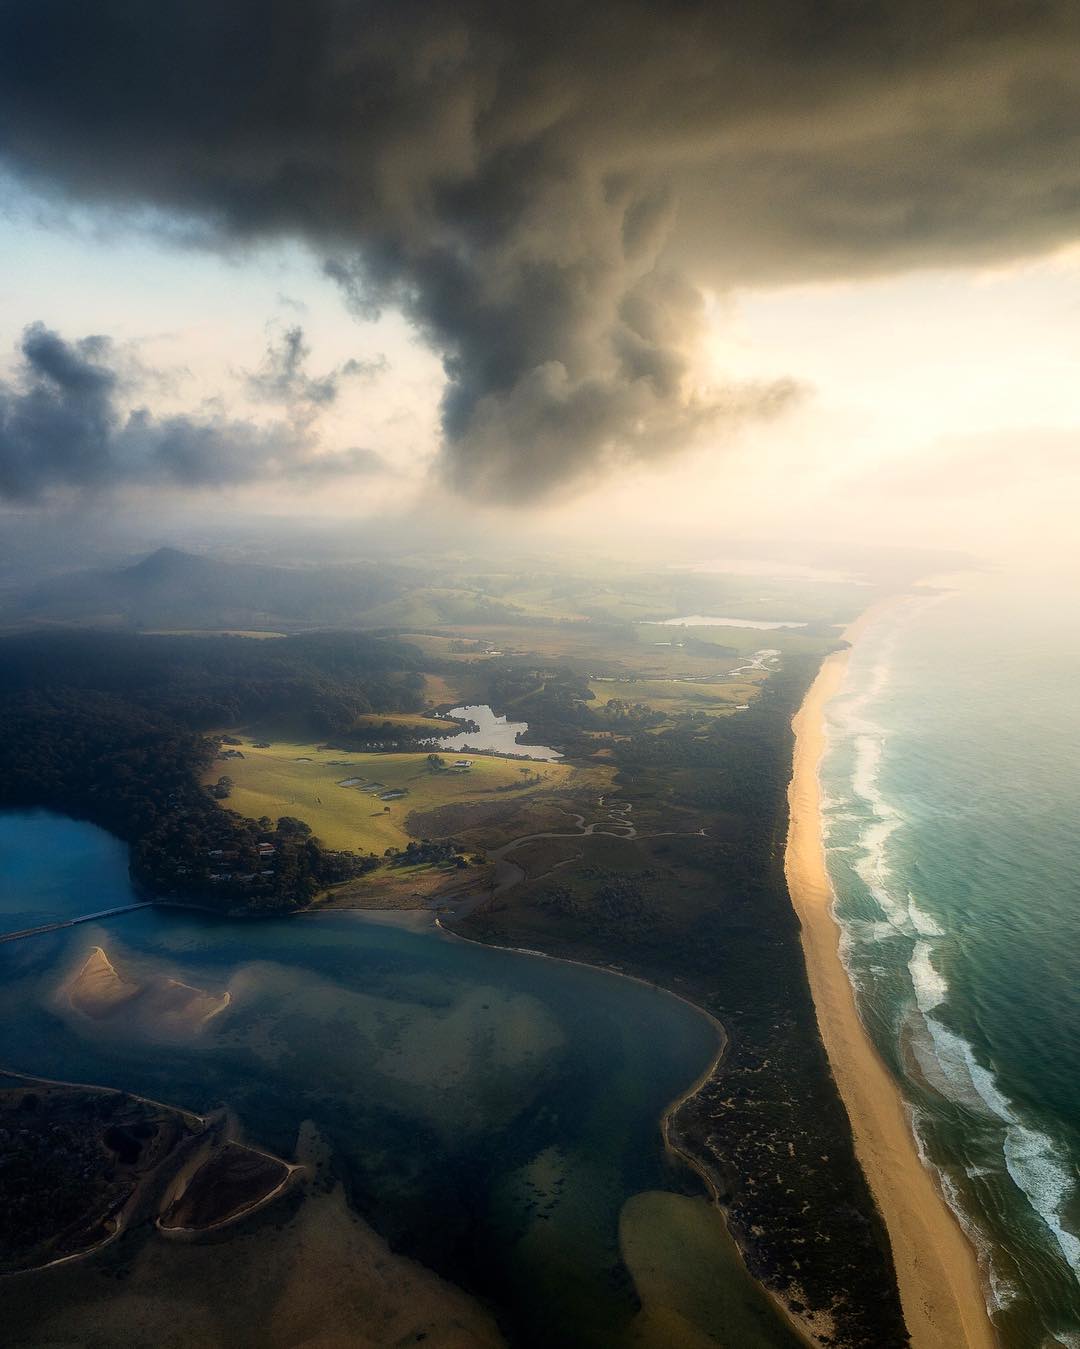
x,y
412,721
678,696
298,779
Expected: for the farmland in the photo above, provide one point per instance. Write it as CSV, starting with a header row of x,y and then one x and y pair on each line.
x,y
305,781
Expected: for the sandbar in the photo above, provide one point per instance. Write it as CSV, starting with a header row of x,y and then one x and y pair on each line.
x,y
159,1005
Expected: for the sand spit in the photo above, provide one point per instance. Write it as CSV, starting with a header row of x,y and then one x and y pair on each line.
x,y
311,1274
225,1182
161,1005
936,1266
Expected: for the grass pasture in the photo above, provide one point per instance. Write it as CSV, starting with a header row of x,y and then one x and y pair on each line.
x,y
414,722
676,697
302,780
648,651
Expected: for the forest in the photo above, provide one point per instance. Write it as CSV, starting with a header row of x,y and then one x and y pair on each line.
x,y
115,729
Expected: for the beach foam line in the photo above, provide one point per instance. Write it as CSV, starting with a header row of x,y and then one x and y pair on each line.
x,y
1036,1165
931,986
923,923
1037,1168
937,1269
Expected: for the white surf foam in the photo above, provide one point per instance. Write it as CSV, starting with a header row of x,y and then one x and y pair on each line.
x,y
921,921
931,986
1037,1168
1032,1158
999,1291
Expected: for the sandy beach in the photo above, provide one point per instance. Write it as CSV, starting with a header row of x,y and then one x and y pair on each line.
x,y
936,1266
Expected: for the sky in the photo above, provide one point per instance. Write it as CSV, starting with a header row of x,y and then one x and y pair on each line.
x,y
796,268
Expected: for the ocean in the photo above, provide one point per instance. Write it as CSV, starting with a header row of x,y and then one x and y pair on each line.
x,y
951,791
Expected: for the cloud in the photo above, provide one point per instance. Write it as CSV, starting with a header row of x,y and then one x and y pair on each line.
x,y
282,377
65,427
355,462
545,191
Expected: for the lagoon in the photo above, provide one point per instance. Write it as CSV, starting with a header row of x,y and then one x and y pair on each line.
x,y
492,1114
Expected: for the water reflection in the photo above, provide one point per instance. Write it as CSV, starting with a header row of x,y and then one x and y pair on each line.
x,y
497,734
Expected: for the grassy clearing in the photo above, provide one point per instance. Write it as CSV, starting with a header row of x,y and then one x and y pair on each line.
x,y
407,887
414,721
458,688
299,779
676,696
434,645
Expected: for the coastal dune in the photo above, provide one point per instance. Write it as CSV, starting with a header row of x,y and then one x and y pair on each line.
x,y
936,1267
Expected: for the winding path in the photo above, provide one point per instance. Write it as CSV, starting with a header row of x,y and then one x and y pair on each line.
x,y
615,824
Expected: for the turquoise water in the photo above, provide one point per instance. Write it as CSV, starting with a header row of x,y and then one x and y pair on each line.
x,y
952,789
490,1113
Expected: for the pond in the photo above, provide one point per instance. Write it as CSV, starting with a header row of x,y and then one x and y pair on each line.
x,y
497,734
492,1114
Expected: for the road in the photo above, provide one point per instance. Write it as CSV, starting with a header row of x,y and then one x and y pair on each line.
x,y
70,922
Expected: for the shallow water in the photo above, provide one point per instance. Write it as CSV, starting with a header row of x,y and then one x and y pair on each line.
x,y
491,1114
953,792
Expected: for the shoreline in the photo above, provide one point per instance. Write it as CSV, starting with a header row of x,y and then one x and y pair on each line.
x,y
936,1266
202,1127
801,1328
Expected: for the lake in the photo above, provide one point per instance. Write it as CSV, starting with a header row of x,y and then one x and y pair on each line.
x,y
493,1115
497,734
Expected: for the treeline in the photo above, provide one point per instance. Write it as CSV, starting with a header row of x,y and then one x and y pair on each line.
x,y
739,763
111,728
321,680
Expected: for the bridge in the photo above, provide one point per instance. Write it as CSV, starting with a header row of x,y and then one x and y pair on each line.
x,y
71,922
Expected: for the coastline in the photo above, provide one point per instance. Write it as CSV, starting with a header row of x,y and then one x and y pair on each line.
x,y
936,1266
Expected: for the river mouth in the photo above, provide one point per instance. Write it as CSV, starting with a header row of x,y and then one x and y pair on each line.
x,y
491,1114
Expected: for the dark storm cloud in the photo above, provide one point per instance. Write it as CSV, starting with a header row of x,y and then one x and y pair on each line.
x,y
63,428
544,190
